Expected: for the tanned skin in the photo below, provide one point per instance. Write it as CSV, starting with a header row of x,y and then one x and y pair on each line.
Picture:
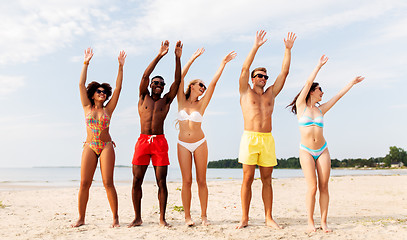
x,y
257,106
153,110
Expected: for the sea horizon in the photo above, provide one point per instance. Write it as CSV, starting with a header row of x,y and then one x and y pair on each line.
x,y
69,176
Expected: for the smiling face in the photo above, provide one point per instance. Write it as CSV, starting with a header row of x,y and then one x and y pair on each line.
x,y
157,85
198,87
100,94
259,78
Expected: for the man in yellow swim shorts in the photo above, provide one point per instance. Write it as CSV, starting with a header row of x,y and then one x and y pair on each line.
x,y
257,144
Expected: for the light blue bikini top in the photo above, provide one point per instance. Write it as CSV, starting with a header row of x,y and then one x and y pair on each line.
x,y
194,116
305,121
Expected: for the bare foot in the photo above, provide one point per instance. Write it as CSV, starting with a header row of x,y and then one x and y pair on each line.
x,y
242,224
135,223
325,228
205,221
311,228
164,223
189,222
115,223
78,223
272,223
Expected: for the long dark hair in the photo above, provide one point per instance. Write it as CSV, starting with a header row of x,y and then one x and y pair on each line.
x,y
292,104
93,86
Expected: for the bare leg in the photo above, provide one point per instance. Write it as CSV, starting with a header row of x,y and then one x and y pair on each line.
x,y
161,178
308,168
185,164
137,193
201,162
88,167
246,194
324,169
107,160
267,193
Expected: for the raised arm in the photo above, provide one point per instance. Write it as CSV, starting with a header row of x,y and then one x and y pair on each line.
x,y
145,80
245,74
177,78
211,87
328,105
280,80
82,80
301,100
181,93
111,105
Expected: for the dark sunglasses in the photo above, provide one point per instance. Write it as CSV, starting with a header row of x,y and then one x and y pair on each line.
x,y
101,91
320,89
159,83
259,75
202,85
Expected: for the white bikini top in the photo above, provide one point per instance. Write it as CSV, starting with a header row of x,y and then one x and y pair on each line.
x,y
194,116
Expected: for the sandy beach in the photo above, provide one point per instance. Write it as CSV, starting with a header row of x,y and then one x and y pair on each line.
x,y
361,207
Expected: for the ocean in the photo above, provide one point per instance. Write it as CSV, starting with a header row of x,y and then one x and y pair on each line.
x,y
70,176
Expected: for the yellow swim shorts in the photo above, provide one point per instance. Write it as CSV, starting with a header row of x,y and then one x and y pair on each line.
x,y
257,148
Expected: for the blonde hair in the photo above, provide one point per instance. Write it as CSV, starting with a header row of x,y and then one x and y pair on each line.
x,y
188,91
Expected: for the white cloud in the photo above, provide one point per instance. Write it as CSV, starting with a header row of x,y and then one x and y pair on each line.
x,y
10,84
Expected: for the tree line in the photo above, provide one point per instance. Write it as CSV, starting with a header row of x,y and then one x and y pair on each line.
x,y
395,155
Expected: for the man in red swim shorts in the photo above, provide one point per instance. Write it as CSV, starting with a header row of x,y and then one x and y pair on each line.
x,y
153,110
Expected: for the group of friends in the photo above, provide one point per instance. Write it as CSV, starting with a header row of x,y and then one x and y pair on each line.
x,y
257,145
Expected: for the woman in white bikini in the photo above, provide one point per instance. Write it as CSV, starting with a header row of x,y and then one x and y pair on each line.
x,y
191,139
314,154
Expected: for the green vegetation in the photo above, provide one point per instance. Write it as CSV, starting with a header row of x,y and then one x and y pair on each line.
x,y
178,208
395,155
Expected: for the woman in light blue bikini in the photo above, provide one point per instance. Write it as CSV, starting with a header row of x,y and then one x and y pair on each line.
x,y
191,139
314,152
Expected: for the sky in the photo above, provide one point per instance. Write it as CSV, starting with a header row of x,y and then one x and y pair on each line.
x,y
41,55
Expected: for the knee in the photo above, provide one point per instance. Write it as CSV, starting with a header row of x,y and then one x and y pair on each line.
x,y
85,184
187,183
248,180
312,189
108,183
323,188
162,183
137,182
266,181
201,183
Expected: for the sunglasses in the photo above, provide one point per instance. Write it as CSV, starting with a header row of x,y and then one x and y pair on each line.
x,y
101,91
259,75
162,84
320,89
202,85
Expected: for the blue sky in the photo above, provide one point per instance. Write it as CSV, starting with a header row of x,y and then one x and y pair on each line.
x,y
41,56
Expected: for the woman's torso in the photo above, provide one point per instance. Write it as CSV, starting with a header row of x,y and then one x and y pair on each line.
x,y
97,125
311,127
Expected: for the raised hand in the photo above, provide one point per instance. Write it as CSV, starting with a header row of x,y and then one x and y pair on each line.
x,y
178,49
357,79
122,57
323,60
164,48
229,57
259,40
198,53
289,42
88,55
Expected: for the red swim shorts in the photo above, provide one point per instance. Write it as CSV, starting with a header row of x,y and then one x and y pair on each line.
x,y
151,146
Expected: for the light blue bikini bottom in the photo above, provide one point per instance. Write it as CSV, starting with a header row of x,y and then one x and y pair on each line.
x,y
314,153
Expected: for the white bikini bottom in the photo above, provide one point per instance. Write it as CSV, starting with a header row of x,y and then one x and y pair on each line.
x,y
192,146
